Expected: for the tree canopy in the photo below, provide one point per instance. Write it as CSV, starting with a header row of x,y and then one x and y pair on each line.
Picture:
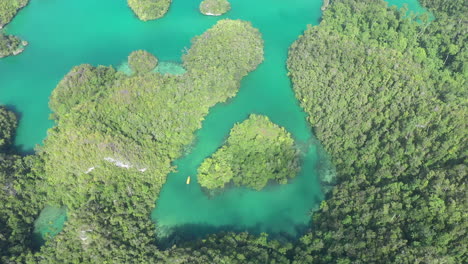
x,y
8,124
386,99
116,136
214,7
10,45
141,61
82,83
385,94
21,194
255,152
149,9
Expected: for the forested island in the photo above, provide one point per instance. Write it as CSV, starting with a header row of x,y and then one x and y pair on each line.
x,y
256,151
141,61
214,7
149,9
10,45
385,94
104,118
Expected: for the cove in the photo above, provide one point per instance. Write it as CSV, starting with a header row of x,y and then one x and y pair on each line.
x,y
279,210
63,34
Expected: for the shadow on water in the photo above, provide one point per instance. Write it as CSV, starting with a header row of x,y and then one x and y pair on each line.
x,y
188,233
18,148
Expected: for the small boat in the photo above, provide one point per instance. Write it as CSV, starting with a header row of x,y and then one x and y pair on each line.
x,y
188,180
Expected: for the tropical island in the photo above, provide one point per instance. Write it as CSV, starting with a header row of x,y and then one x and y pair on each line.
x,y
149,9
10,45
257,151
214,7
384,93
141,62
104,117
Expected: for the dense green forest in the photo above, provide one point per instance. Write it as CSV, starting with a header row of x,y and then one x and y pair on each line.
x,y
386,96
116,136
214,7
20,195
141,61
256,151
8,10
149,9
385,93
10,45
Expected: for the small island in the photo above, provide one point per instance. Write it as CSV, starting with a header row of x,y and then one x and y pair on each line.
x,y
214,7
257,151
111,124
149,9
11,45
141,61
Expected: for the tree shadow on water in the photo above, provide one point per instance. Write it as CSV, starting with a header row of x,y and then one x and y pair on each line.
x,y
20,149
185,234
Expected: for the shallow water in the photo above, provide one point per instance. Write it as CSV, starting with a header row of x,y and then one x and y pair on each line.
x,y
63,34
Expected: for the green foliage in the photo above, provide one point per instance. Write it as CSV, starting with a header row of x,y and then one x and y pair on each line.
x,y
220,52
10,45
138,123
82,83
450,28
8,10
21,195
149,9
8,125
108,156
448,7
388,105
255,152
113,226
141,61
214,7
385,95
231,248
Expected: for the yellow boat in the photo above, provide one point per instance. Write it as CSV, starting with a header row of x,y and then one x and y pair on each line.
x,y
188,180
